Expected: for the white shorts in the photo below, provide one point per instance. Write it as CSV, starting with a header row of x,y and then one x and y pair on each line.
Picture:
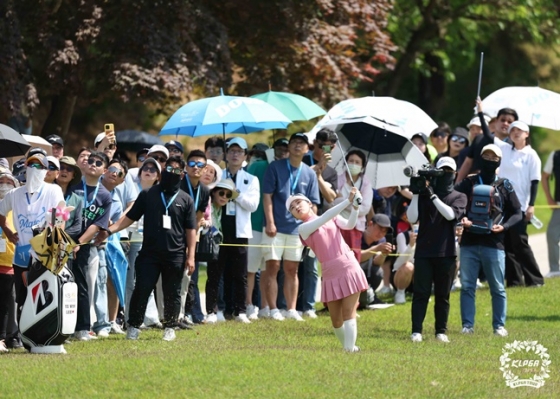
x,y
255,260
282,246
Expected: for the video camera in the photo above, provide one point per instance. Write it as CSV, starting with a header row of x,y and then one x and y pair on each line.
x,y
420,178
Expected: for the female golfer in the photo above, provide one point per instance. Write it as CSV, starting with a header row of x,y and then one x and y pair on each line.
x,y
343,279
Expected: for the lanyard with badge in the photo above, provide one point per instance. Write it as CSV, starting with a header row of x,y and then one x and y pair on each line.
x,y
38,196
192,194
166,217
230,206
293,182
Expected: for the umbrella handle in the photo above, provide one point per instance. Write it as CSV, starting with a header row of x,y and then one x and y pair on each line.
x,y
359,200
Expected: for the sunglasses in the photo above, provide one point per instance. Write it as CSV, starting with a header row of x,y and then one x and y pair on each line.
x,y
114,169
141,158
97,162
460,140
159,159
66,168
171,169
439,134
150,169
52,167
36,166
199,165
225,193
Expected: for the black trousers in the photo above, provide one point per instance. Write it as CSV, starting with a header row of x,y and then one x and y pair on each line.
x,y
8,323
20,287
520,260
232,263
79,269
440,272
148,269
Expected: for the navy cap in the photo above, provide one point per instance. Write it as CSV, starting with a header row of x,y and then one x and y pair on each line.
x,y
174,143
282,141
301,136
54,139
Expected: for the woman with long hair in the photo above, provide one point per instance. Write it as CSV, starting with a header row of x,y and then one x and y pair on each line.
x,y
355,177
342,277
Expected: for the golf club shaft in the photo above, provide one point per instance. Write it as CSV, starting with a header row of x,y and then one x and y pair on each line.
x,y
480,74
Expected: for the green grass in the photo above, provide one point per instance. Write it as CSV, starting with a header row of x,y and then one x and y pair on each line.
x,y
300,360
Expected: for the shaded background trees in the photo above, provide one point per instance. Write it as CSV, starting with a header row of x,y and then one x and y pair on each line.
x,y
74,65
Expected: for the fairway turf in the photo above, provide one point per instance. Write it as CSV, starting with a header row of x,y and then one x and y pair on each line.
x,y
289,359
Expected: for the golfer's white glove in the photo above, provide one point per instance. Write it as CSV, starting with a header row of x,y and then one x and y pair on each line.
x,y
357,199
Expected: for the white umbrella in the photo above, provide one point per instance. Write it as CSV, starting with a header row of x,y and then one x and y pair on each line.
x,y
534,105
387,148
401,113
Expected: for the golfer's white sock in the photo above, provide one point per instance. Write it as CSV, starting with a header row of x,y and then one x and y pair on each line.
x,y
339,332
350,334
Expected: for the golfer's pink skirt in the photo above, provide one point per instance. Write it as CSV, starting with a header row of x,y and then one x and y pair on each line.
x,y
342,277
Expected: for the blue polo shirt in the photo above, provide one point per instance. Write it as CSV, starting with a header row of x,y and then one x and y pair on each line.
x,y
281,180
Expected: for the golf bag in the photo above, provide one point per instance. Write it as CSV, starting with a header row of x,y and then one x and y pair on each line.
x,y
49,314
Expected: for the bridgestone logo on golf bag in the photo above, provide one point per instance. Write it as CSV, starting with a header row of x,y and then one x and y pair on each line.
x,y
486,207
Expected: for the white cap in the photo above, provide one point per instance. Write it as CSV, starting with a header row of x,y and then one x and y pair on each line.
x,y
492,147
292,198
476,121
99,139
158,148
446,161
228,184
520,125
52,159
219,172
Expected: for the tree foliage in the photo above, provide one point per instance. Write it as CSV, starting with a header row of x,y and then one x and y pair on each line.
x,y
158,51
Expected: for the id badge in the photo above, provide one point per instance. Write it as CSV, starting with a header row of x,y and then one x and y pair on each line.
x,y
166,222
2,245
230,208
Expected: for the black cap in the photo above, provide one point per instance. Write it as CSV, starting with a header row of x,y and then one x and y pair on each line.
x,y
36,150
301,136
54,139
260,147
281,141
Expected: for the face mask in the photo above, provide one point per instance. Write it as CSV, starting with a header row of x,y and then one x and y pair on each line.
x,y
170,182
354,169
4,188
488,170
444,184
35,179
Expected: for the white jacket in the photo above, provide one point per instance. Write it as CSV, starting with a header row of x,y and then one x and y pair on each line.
x,y
246,203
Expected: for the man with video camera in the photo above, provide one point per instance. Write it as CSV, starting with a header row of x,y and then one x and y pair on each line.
x,y
437,207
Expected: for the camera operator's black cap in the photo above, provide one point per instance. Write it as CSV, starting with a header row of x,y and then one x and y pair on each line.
x,y
382,220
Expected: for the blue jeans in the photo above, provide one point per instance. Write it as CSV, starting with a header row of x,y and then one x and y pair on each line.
x,y
308,275
492,261
100,296
196,310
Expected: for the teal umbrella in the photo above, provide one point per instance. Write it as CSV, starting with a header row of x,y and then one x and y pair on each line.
x,y
294,106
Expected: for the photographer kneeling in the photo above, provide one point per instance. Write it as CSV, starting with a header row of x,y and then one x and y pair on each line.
x,y
437,207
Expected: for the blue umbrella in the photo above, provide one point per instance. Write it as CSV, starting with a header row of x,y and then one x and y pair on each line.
x,y
117,265
224,114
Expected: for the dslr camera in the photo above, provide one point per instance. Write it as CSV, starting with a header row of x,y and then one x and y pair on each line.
x,y
421,178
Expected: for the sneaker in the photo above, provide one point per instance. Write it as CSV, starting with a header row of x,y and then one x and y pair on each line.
x,y
310,314
3,348
293,315
479,284
416,337
284,313
467,330
181,325
211,318
552,274
84,335
276,315
354,349
442,338
501,332
385,291
188,320
264,313
220,316
103,334
169,334
400,297
116,329
252,312
132,332
242,318
13,343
